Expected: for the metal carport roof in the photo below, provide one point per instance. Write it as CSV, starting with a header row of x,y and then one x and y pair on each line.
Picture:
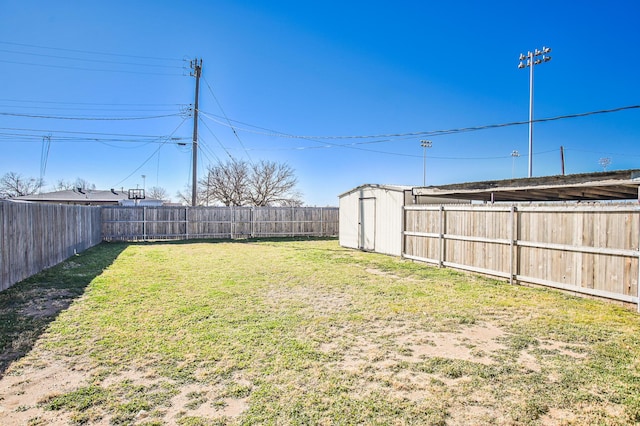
x,y
613,185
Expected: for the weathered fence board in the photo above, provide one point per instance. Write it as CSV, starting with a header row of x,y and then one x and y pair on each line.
x,y
159,223
592,249
37,236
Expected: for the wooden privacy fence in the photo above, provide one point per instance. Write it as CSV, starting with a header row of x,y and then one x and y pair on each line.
x,y
160,223
588,249
37,236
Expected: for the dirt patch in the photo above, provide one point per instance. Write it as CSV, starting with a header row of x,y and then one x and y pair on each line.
x,y
46,303
24,387
475,343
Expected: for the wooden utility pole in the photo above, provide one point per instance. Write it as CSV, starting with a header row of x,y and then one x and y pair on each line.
x,y
196,66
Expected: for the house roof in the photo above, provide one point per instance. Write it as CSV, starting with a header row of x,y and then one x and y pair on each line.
x,y
78,195
614,185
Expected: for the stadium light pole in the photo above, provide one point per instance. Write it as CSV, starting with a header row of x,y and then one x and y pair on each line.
x,y
424,144
530,60
514,155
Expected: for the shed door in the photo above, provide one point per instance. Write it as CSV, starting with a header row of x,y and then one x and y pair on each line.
x,y
367,224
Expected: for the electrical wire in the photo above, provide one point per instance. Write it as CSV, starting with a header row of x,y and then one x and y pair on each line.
x,y
228,121
53,117
218,140
154,153
204,148
82,133
84,103
276,133
89,69
102,61
89,52
614,154
49,108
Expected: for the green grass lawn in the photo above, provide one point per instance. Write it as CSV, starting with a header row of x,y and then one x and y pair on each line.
x,y
303,333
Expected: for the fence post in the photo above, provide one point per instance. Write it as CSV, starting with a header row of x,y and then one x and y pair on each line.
x,y
4,256
513,246
441,237
252,218
186,223
403,229
144,224
231,222
321,218
638,279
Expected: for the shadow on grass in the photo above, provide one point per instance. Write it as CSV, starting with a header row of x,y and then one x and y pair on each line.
x,y
28,307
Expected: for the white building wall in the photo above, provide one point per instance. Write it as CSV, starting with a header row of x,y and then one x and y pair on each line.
x,y
348,217
355,223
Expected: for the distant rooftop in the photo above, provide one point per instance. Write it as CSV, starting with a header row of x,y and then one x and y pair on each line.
x,y
85,196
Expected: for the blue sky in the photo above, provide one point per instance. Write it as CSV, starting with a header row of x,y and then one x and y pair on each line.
x,y
91,74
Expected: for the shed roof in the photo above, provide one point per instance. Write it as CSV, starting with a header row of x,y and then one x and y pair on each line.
x,y
613,185
397,188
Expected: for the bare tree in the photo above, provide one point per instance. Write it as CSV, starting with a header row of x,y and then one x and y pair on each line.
x,y
83,184
227,183
273,183
157,193
184,196
13,184
64,185
238,183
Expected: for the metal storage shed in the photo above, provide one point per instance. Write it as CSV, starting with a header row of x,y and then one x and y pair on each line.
x,y
371,218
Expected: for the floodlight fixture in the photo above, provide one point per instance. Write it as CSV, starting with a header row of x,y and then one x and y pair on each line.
x,y
424,144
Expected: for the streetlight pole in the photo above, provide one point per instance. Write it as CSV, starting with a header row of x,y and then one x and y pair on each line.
x,y
424,144
532,59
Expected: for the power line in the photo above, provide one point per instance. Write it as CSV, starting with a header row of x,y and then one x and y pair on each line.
x,y
87,118
85,103
14,137
206,150
152,154
427,133
92,52
84,108
227,118
103,61
80,133
216,138
88,69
